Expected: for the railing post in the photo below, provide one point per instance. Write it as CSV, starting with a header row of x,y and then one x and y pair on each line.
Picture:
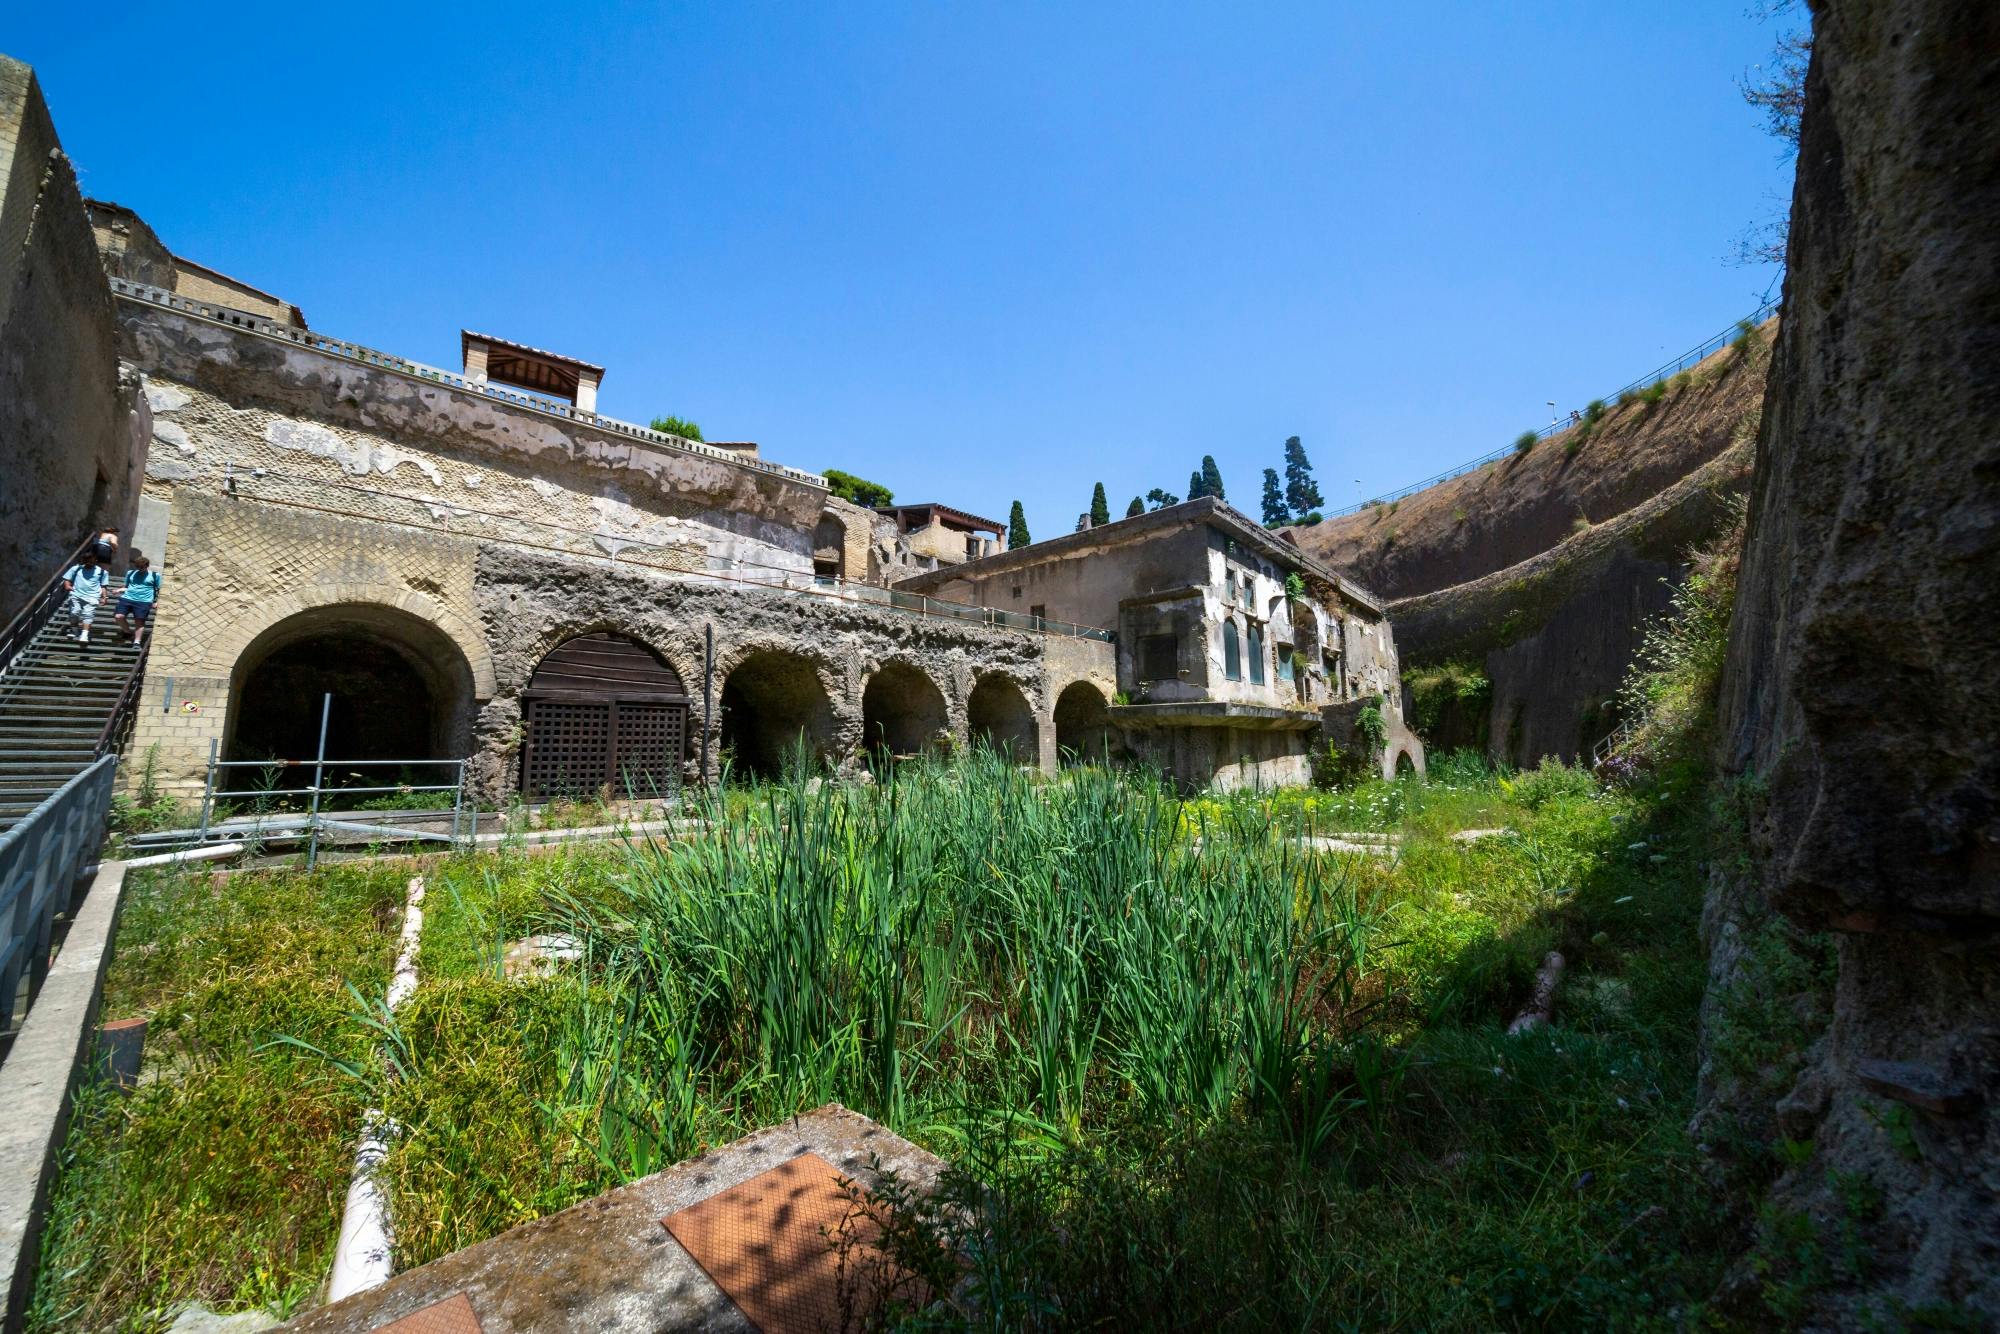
x,y
207,795
457,807
319,772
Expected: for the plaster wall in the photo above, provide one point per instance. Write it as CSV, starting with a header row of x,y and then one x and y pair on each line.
x,y
631,489
71,447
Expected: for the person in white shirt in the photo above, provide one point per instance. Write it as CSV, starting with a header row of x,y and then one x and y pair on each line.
x,y
85,583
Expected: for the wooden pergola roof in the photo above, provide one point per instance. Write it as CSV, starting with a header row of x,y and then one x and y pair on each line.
x,y
530,368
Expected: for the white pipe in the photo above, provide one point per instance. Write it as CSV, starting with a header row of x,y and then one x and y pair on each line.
x,y
215,853
362,1257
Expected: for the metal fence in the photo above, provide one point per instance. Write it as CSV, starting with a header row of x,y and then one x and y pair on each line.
x,y
1694,356
41,860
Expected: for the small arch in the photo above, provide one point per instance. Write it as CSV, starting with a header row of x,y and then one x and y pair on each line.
x,y
902,711
401,690
998,714
1083,724
603,712
1232,651
1404,764
772,703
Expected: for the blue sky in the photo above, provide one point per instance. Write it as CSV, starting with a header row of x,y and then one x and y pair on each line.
x,y
977,253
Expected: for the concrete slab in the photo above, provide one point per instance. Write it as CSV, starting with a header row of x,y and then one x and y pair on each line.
x,y
40,1074
608,1264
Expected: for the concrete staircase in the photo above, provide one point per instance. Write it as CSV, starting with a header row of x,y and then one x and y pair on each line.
x,y
59,702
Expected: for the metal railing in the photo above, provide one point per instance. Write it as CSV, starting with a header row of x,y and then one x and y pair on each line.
x,y
41,860
1694,356
417,370
255,484
20,631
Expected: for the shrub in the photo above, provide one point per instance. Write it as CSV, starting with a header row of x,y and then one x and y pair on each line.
x,y
858,490
1447,697
1525,442
1550,780
1592,411
680,426
1574,445
1309,520
1681,381
1653,392
1458,515
1579,524
1747,338
1627,397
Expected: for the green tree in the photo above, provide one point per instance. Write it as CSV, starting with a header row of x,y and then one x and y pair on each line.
x,y
679,426
1301,491
1196,487
1275,513
859,490
1017,528
1161,499
1211,478
1137,506
1100,508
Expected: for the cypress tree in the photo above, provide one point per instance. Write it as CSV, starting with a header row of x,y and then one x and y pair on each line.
x,y
1301,491
1017,528
1275,513
1100,508
1137,506
1211,478
1196,488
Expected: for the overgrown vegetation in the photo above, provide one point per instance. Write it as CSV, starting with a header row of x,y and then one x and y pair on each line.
x,y
1448,703
680,426
857,490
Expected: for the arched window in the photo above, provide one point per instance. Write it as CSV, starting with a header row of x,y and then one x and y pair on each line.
x,y
1256,655
1232,652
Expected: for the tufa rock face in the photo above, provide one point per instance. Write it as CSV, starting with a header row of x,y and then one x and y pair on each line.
x,y
1860,689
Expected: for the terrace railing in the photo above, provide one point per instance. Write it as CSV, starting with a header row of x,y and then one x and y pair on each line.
x,y
417,370
41,861
1694,356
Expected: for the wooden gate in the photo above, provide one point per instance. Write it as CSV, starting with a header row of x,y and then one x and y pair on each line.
x,y
603,714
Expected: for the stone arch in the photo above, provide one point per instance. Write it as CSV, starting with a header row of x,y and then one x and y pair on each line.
x,y
1083,724
229,646
772,701
998,713
682,657
902,710
402,688
1403,754
830,546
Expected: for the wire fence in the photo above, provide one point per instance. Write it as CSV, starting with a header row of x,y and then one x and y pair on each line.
x,y
1694,356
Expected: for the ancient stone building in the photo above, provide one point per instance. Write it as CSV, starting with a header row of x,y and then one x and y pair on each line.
x,y
1232,645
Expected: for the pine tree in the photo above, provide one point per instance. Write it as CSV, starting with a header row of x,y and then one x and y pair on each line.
x,y
1211,478
1017,528
1162,499
1301,491
1100,508
1137,506
1196,488
1275,513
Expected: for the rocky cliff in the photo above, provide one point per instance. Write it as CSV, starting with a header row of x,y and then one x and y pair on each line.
x,y
1859,709
1510,511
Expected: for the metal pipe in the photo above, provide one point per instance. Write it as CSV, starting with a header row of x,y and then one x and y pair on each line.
x,y
319,774
208,791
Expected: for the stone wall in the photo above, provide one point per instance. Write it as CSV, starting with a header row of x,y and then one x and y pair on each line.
x,y
71,446
529,603
358,417
1860,718
236,569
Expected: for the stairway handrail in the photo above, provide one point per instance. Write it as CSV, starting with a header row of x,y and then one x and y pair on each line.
x,y
33,616
127,695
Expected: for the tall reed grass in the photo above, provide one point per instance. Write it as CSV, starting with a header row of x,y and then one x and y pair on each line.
x,y
960,943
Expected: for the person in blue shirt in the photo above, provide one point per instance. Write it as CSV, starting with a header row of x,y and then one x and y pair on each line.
x,y
85,582
135,601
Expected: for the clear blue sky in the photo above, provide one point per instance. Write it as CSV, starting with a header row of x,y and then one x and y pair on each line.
x,y
974,252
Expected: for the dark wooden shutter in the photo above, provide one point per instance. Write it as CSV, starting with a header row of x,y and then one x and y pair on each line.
x,y
603,712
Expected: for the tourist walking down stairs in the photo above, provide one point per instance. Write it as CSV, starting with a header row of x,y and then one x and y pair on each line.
x,y
85,582
135,601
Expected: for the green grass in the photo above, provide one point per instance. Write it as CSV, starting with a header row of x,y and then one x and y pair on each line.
x,y
1196,1073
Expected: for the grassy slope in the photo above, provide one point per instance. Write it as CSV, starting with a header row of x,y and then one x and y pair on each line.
x,y
1417,1168
1506,512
